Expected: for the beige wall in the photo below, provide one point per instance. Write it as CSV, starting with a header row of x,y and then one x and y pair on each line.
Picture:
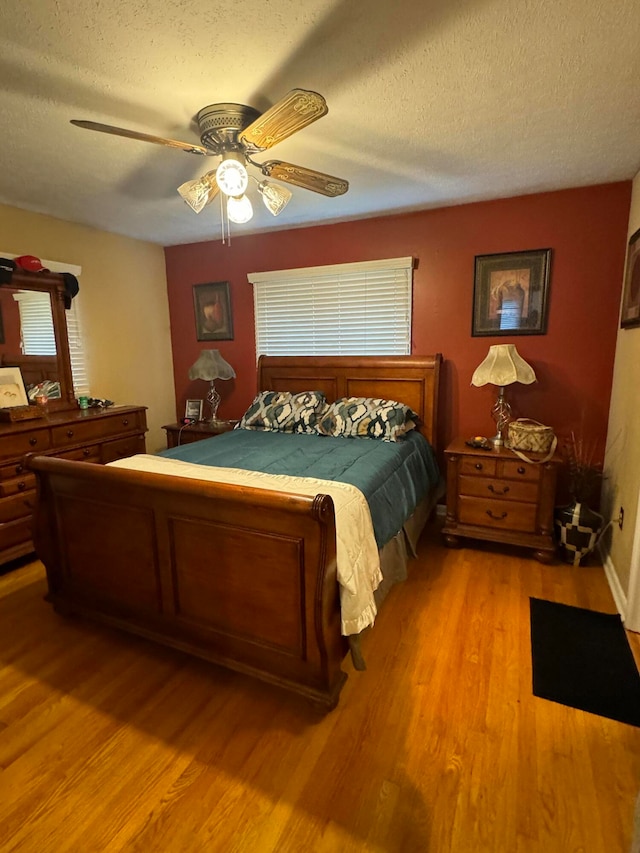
x,y
622,463
123,308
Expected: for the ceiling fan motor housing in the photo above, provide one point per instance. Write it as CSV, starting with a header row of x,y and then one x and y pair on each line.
x,y
220,125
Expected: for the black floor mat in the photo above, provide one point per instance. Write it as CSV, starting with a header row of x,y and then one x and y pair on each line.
x,y
582,658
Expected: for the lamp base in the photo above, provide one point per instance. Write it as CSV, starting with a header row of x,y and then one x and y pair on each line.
x,y
501,413
213,398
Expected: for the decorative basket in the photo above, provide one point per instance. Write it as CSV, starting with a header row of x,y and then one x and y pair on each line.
x,y
531,436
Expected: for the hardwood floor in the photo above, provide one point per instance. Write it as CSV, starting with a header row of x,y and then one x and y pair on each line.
x,y
110,743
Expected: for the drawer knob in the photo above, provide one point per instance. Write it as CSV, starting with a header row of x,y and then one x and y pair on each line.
x,y
86,451
125,422
19,469
478,466
522,470
69,433
498,491
500,517
22,486
33,442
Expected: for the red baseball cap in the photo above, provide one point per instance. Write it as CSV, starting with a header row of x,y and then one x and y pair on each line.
x,y
30,263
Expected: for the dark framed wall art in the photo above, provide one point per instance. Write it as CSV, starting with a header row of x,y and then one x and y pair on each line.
x,y
630,315
510,293
212,306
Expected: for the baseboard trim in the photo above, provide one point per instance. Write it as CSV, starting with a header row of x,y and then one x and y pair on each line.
x,y
617,592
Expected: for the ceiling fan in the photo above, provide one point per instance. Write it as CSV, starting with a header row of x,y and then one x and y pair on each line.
x,y
236,133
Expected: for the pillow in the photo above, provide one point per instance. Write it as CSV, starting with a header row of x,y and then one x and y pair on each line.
x,y
367,417
282,411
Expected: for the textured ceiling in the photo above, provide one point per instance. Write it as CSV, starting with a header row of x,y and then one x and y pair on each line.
x,y
431,102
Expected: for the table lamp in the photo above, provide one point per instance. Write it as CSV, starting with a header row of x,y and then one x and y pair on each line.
x,y
211,366
503,366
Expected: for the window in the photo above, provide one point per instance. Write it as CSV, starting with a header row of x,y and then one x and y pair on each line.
x,y
342,309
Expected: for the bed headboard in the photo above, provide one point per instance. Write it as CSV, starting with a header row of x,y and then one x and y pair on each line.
x,y
410,379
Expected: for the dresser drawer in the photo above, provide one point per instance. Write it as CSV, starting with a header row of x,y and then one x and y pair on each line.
x,y
15,446
17,506
488,487
96,428
478,465
112,450
13,470
20,484
516,470
15,532
82,454
498,514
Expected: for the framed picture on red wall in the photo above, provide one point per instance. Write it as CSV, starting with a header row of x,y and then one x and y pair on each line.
x,y
511,293
212,306
630,315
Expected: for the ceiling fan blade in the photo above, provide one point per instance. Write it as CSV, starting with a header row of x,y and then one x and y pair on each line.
x,y
296,110
308,179
145,137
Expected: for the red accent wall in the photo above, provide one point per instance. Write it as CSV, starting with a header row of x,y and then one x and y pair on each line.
x,y
585,228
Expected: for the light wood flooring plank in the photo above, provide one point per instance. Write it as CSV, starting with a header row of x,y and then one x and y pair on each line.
x,y
111,743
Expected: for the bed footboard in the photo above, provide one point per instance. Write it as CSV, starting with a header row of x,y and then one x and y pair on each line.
x,y
239,576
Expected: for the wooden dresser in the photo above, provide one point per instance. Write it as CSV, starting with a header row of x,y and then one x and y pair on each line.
x,y
493,495
91,435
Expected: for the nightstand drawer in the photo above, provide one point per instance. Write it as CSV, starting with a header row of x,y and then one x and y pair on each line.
x,y
478,465
517,470
487,487
498,514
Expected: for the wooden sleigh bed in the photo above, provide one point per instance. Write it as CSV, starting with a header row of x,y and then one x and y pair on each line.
x,y
240,576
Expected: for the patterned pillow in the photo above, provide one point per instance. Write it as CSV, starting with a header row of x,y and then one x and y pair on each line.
x,y
282,411
367,417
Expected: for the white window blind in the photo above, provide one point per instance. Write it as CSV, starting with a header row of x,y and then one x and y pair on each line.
x,y
36,323
76,351
341,309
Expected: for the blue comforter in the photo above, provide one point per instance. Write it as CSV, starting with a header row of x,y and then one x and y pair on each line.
x,y
393,476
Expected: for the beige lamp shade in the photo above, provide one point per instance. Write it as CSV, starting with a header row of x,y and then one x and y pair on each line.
x,y
503,366
211,365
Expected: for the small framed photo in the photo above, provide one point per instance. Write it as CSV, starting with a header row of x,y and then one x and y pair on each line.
x,y
12,390
510,293
630,315
193,410
212,305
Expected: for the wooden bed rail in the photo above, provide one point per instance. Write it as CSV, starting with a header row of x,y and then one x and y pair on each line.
x,y
240,576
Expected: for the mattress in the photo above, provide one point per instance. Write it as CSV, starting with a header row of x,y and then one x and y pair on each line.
x,y
394,477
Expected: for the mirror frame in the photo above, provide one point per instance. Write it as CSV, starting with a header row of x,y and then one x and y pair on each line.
x,y
53,284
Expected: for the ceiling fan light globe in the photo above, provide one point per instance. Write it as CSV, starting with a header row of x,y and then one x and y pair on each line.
x,y
239,210
232,177
197,193
275,198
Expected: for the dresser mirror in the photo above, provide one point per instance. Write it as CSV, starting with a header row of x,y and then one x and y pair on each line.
x,y
41,296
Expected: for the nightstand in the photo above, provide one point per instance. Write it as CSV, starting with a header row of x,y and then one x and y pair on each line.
x,y
185,434
493,495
